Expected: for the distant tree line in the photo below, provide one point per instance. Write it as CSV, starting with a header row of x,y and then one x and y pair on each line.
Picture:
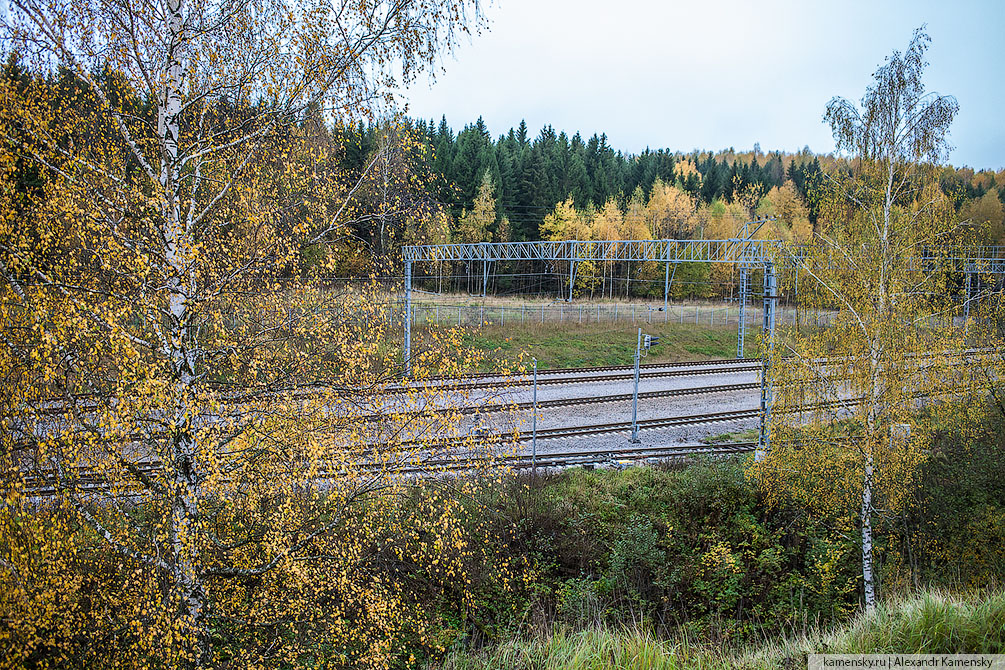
x,y
529,176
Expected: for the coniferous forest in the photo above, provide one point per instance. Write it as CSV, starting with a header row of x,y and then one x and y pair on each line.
x,y
530,174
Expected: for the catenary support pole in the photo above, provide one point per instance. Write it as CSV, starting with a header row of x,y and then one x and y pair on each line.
x,y
741,324
533,427
408,319
572,278
666,289
485,277
767,392
635,393
966,301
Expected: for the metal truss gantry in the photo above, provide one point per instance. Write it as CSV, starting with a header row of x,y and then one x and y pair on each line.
x,y
574,251
747,254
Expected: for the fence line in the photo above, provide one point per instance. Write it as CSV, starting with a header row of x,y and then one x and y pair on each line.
x,y
703,315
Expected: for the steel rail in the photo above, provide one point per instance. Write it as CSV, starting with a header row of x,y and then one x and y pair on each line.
x,y
525,381
605,368
591,400
86,483
570,458
572,402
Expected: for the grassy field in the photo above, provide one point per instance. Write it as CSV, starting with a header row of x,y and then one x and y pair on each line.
x,y
566,346
931,623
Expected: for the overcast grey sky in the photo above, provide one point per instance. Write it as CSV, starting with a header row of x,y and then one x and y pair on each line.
x,y
715,74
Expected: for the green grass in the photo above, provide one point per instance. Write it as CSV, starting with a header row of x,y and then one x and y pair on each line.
x,y
594,649
750,435
932,623
568,346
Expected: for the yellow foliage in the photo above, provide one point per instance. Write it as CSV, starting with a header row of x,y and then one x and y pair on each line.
x,y
474,226
205,458
670,213
847,433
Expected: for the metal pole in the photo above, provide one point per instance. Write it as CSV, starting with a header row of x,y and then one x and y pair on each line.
x,y
767,392
666,289
795,313
485,276
572,278
741,327
408,319
533,427
966,302
635,393
502,316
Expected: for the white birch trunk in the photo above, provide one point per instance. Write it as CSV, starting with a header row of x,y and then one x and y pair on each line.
x,y
868,577
183,347
876,397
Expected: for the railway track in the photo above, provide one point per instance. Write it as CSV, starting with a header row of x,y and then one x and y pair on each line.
x,y
612,368
584,431
565,459
621,397
88,483
58,406
643,424
553,381
624,426
587,400
722,366
560,402
649,366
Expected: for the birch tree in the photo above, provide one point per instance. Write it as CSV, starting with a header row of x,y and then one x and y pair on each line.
x,y
154,353
882,345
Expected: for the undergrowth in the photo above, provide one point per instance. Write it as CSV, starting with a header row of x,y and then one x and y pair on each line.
x,y
933,622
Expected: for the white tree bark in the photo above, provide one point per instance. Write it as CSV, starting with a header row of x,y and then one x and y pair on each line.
x,y
868,577
183,346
